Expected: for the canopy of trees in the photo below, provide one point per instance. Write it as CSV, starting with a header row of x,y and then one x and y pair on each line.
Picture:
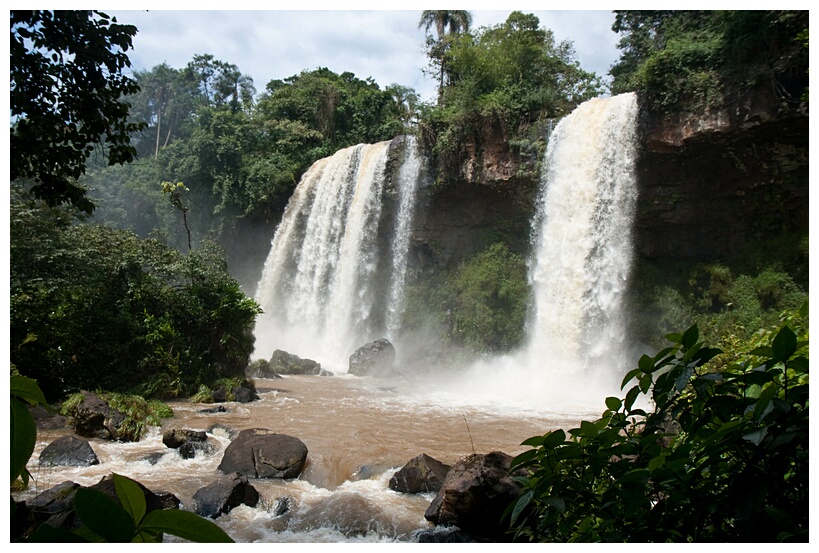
x,y
67,84
696,57
95,307
240,156
509,76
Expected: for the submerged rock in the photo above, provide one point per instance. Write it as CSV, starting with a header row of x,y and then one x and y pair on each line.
x,y
261,453
474,495
373,359
69,451
420,475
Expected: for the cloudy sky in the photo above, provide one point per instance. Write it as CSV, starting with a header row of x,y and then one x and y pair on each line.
x,y
386,45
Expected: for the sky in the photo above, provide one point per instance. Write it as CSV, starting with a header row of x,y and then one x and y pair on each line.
x,y
386,45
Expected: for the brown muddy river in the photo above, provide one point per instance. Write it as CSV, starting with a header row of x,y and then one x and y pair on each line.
x,y
358,431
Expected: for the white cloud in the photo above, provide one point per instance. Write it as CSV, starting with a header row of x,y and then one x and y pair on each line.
x,y
386,45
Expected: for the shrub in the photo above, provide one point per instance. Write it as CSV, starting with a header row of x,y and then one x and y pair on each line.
x,y
722,456
97,308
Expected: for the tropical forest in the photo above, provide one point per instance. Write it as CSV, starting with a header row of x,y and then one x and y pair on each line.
x,y
543,304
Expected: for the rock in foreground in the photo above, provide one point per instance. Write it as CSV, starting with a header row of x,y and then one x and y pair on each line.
x,y
475,494
261,453
420,475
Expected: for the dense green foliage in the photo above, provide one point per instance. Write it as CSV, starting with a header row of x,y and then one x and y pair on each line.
x,y
729,299
67,88
700,59
95,307
721,456
501,80
240,156
480,305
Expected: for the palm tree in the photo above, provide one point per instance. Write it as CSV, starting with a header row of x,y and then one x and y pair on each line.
x,y
456,21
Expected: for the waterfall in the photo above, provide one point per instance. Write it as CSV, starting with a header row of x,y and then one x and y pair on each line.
x,y
408,182
578,270
334,276
582,245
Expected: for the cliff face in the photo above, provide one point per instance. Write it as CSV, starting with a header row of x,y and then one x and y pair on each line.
x,y
708,185
491,198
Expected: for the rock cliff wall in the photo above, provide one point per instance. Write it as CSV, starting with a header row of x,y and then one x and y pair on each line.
x,y
709,184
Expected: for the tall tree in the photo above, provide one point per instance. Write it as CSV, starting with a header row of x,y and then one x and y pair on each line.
x,y
67,85
454,20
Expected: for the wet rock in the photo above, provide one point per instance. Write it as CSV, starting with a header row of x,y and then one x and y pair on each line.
x,y
261,453
244,395
347,512
286,363
475,494
420,475
223,495
444,534
217,409
55,506
373,359
69,451
282,506
93,418
174,438
46,420
219,395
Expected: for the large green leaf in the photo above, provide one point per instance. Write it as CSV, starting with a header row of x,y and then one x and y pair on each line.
x,y
131,496
186,525
23,438
27,390
103,516
784,344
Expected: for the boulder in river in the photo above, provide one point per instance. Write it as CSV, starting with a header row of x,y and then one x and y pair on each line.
x,y
69,451
261,453
474,495
373,359
286,363
93,418
221,496
420,475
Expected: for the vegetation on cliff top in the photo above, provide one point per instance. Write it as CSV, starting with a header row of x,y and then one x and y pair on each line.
x,y
703,59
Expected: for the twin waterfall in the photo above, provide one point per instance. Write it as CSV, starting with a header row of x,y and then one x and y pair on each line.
x,y
336,272
335,275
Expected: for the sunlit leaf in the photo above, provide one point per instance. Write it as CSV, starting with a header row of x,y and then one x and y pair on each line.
x,y
131,496
186,525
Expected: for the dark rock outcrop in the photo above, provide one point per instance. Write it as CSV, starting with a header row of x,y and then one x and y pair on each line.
x,y
711,183
373,359
93,418
221,496
242,394
475,494
260,453
286,363
69,451
420,475
187,442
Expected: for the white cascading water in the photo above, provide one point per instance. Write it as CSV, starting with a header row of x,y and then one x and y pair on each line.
x,y
323,285
408,182
581,257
